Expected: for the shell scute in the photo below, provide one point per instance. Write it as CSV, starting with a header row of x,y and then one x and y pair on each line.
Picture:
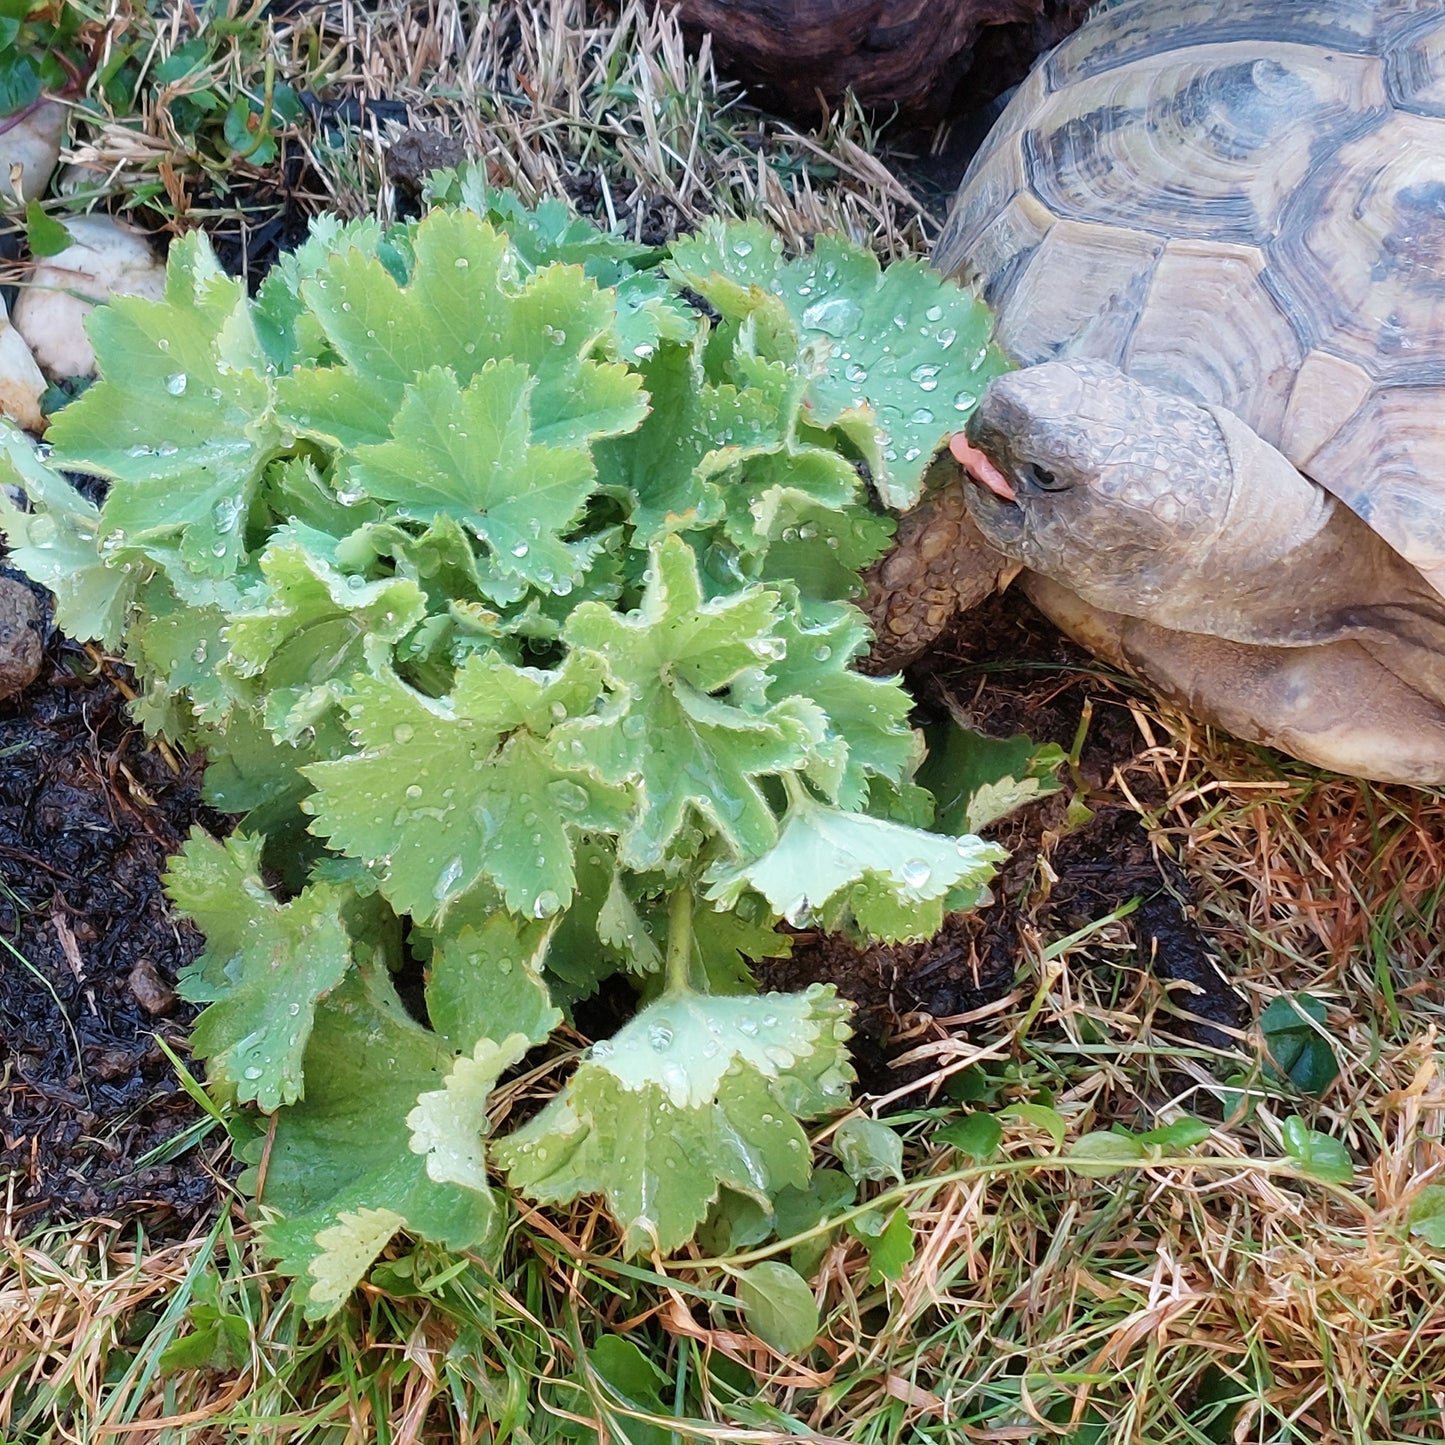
x,y
1210,330
1132,31
1415,65
1361,250
1386,464
1210,142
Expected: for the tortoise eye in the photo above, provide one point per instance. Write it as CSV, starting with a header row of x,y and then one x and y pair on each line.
x,y
1042,477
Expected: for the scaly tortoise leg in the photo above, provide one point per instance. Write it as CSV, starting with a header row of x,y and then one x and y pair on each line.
x,y
939,566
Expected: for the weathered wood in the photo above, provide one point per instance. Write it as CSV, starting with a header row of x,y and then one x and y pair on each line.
x,y
798,54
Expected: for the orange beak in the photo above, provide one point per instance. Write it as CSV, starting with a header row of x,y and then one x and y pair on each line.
x,y
980,468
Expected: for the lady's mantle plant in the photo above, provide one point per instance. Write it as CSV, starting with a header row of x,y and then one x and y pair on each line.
x,y
501,570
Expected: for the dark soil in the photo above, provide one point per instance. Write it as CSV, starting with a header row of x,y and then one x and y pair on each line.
x,y
89,813
1008,670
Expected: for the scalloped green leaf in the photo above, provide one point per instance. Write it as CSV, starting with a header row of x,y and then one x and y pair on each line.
x,y
446,792
685,749
57,543
694,1093
694,432
892,879
310,627
896,358
265,965
369,1150
181,420
467,454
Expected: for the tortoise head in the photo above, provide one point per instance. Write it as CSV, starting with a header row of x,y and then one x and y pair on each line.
x,y
1119,489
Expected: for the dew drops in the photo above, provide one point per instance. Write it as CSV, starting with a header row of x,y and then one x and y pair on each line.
x,y
403,733
926,376
461,263
226,513
822,652
414,791
856,373
748,1028
568,796
964,400
176,383
922,416
447,880
742,248
545,904
946,337
601,1051
519,549
915,873
634,725
642,352
837,316
934,313
660,1037
505,966
252,1072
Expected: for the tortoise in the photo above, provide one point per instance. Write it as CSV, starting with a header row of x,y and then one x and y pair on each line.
x,y
1214,240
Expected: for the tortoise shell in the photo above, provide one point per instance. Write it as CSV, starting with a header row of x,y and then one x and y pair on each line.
x,y
1244,205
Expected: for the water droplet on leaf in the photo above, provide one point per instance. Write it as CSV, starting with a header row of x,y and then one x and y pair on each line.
x,y
915,872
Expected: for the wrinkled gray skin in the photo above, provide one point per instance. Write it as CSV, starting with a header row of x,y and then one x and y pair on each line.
x,y
1168,538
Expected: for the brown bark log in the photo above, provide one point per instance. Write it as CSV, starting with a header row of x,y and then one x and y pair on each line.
x,y
906,53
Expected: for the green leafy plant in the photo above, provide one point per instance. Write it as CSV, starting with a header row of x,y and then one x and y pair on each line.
x,y
501,570
41,49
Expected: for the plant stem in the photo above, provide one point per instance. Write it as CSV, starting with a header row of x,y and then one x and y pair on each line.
x,y
679,941
794,789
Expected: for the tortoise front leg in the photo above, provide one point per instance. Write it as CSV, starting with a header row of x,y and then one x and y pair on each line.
x,y
939,566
